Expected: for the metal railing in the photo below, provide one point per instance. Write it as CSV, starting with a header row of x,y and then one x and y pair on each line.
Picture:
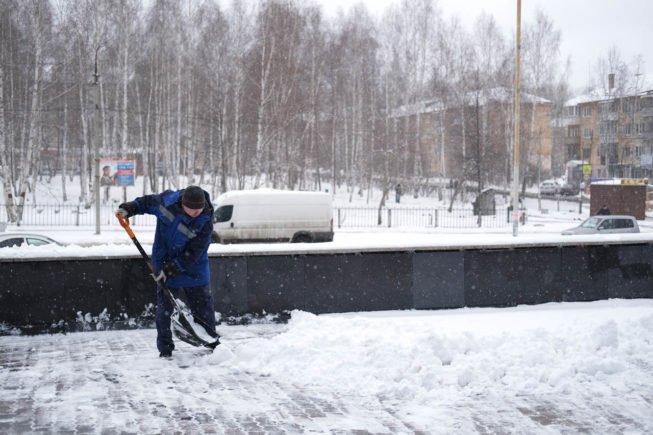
x,y
344,217
70,215
367,217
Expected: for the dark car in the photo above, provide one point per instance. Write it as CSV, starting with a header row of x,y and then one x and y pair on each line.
x,y
568,190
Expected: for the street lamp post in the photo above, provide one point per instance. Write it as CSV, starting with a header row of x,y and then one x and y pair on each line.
x,y
96,131
515,176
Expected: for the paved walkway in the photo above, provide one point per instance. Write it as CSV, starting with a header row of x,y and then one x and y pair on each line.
x,y
110,382
113,382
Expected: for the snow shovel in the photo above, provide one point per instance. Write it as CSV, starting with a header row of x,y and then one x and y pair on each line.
x,y
194,332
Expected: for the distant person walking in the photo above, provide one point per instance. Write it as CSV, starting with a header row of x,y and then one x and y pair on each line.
x,y
107,180
604,210
398,192
179,254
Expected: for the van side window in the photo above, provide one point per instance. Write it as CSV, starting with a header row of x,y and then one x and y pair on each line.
x,y
11,242
624,223
223,214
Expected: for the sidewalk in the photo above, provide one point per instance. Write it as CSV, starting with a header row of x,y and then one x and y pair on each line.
x,y
113,382
375,373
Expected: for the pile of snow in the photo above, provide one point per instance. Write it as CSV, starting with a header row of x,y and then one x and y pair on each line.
x,y
426,363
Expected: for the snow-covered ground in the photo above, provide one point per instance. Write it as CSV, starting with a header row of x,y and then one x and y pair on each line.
x,y
553,368
546,220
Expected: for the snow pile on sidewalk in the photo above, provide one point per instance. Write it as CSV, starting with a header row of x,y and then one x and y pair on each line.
x,y
428,364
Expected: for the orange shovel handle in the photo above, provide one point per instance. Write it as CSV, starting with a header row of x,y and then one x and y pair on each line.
x,y
125,224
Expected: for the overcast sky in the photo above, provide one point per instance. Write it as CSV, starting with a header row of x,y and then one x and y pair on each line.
x,y
589,27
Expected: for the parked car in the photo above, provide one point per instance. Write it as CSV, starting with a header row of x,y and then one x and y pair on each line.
x,y
549,188
268,215
605,225
8,240
568,190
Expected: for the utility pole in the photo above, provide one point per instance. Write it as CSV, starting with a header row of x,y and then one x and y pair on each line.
x,y
96,137
515,172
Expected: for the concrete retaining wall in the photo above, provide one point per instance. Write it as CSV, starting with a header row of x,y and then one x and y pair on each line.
x,y
52,294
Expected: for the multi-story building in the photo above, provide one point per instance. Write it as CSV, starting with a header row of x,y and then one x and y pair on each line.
x,y
452,137
612,130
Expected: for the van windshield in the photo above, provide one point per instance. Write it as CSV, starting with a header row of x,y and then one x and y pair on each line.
x,y
591,222
223,214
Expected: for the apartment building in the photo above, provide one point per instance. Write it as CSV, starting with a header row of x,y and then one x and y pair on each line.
x,y
452,137
612,130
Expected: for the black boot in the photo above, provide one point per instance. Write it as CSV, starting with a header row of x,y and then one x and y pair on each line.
x,y
166,354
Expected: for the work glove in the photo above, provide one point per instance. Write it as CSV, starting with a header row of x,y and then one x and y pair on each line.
x,y
168,270
128,209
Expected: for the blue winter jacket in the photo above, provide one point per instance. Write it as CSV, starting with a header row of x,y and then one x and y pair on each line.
x,y
179,237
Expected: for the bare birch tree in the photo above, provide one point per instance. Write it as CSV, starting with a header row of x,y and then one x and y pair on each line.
x,y
38,15
541,57
5,173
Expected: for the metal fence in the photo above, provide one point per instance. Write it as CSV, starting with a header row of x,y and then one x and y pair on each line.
x,y
367,217
344,217
70,215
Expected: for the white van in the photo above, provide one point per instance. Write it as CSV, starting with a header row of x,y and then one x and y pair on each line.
x,y
266,215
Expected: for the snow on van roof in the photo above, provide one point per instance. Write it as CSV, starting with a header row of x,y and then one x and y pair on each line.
x,y
289,195
268,191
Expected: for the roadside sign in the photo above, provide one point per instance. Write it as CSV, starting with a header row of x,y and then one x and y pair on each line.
x,y
587,169
117,172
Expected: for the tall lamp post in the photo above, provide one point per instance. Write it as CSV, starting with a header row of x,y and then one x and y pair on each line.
x,y
517,103
96,131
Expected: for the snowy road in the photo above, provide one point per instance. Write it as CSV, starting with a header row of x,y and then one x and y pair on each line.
x,y
554,368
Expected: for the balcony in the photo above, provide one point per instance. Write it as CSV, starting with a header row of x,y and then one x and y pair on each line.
x,y
608,137
572,140
609,116
570,120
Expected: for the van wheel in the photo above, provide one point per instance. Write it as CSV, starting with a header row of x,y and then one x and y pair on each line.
x,y
302,238
215,238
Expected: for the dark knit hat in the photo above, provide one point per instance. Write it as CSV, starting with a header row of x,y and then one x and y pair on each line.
x,y
193,197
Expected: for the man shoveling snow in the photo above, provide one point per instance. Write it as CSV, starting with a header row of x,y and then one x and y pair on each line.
x,y
179,261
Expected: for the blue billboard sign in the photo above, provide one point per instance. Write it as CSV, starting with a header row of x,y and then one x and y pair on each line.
x,y
118,173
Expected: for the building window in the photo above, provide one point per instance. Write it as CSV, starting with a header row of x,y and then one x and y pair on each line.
x,y
573,131
626,151
646,102
638,150
628,129
586,154
638,127
573,111
625,106
587,133
587,111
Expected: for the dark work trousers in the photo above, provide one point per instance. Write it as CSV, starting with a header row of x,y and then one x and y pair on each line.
x,y
200,302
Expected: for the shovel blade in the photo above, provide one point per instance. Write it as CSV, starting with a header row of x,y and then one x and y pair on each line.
x,y
185,331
